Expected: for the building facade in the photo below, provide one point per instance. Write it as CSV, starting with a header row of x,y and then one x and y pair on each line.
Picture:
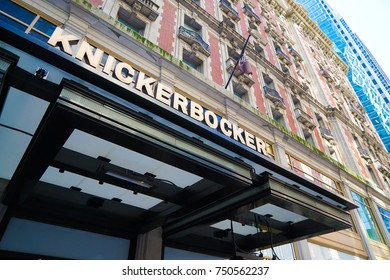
x,y
368,80
121,137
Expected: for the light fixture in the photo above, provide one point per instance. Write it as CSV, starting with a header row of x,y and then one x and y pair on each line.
x,y
41,73
128,178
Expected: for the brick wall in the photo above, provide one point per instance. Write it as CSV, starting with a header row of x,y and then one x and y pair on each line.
x,y
215,59
167,36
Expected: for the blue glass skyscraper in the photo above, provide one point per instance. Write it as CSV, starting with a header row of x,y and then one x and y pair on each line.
x,y
368,80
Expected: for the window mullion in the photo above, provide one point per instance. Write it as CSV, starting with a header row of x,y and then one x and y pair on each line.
x,y
28,30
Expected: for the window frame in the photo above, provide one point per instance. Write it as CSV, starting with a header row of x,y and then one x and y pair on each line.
x,y
31,27
364,206
137,16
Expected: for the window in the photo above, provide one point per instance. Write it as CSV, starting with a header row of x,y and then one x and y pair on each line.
x,y
308,138
385,217
192,60
268,82
373,176
197,2
132,21
270,91
192,25
313,175
319,252
307,122
387,181
229,23
259,50
229,14
240,91
366,217
278,117
284,59
191,33
320,120
26,21
330,87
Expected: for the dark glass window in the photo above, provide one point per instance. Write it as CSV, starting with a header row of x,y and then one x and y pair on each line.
x,y
193,61
17,11
367,218
45,26
26,20
386,217
12,22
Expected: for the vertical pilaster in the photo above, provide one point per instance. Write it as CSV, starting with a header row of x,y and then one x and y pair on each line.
x,y
302,250
280,151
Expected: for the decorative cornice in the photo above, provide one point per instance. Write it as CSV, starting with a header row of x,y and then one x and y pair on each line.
x,y
299,15
277,6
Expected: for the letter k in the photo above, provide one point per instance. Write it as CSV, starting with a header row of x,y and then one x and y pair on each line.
x,y
57,37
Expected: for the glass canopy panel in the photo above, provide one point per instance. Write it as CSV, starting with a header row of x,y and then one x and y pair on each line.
x,y
278,213
238,228
93,146
90,186
12,147
23,111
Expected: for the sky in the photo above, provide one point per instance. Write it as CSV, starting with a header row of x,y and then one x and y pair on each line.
x,y
370,20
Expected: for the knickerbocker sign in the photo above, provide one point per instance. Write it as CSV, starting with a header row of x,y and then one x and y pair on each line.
x,y
129,76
